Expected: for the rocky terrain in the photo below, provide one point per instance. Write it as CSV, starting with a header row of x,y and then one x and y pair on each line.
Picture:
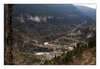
x,y
42,33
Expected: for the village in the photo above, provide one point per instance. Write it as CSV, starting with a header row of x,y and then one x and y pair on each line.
x,y
57,50
60,45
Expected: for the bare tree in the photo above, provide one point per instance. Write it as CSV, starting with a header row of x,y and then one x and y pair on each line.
x,y
9,38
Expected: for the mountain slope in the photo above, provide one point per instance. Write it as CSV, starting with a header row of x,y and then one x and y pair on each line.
x,y
55,18
45,22
82,54
85,57
89,11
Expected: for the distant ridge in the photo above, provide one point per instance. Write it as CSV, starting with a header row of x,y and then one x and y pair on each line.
x,y
89,11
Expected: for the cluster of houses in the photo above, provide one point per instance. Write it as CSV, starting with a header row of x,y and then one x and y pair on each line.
x,y
49,54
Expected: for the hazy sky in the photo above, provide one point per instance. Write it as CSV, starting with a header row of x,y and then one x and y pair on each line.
x,y
88,5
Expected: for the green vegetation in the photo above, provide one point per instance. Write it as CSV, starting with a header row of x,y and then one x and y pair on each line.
x,y
92,43
72,57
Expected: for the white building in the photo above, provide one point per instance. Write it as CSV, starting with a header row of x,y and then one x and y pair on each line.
x,y
39,54
46,43
47,53
70,48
